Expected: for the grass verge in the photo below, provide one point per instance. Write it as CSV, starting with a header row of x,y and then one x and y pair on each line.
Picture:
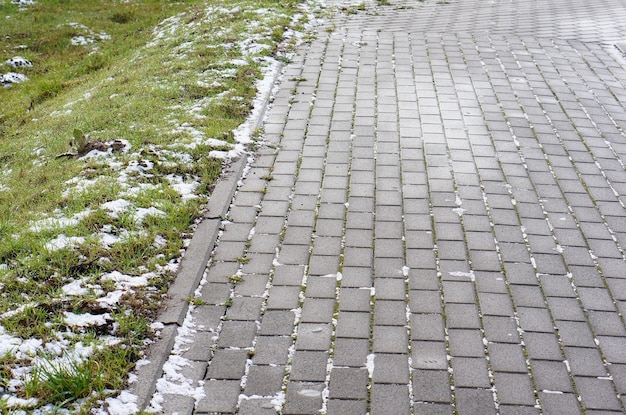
x,y
110,145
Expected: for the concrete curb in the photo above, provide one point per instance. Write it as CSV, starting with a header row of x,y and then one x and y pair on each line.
x,y
194,263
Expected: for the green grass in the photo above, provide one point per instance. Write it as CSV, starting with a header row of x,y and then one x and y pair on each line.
x,y
170,81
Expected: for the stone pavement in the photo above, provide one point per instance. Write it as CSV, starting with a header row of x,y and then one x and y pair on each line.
x,y
436,224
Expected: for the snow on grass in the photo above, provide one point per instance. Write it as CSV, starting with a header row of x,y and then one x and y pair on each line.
x,y
132,187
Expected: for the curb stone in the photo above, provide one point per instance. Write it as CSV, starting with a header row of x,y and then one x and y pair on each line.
x,y
194,262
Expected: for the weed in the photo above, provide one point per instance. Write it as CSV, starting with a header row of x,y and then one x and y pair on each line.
x,y
235,279
196,301
64,381
243,260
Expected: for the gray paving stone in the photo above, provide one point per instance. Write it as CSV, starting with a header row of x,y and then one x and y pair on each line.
x,y
317,310
227,364
597,393
551,376
464,316
470,372
309,366
264,380
208,317
390,339
475,401
514,388
518,410
277,323
554,403
257,406
501,329
390,289
272,350
251,286
466,343
425,301
314,336
506,357
346,407
219,396
390,313
391,368
355,299
245,308
390,399
429,408
431,386
606,324
321,286
574,333
348,383
303,398
237,334
283,297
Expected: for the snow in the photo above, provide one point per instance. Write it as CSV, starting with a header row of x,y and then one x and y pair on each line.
x,y
19,62
62,241
115,207
10,78
75,288
86,320
123,281
124,404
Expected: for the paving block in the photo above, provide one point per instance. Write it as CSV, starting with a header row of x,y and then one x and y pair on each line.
x,y
237,334
390,339
390,399
349,383
514,388
227,364
219,396
304,398
475,401
506,357
391,368
467,343
351,352
429,355
346,407
432,386
277,323
272,350
264,380
309,366
314,336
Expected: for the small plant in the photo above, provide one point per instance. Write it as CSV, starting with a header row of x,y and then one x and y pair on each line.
x,y
243,260
64,381
235,279
196,301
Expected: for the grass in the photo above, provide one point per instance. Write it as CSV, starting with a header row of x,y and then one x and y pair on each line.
x,y
158,88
